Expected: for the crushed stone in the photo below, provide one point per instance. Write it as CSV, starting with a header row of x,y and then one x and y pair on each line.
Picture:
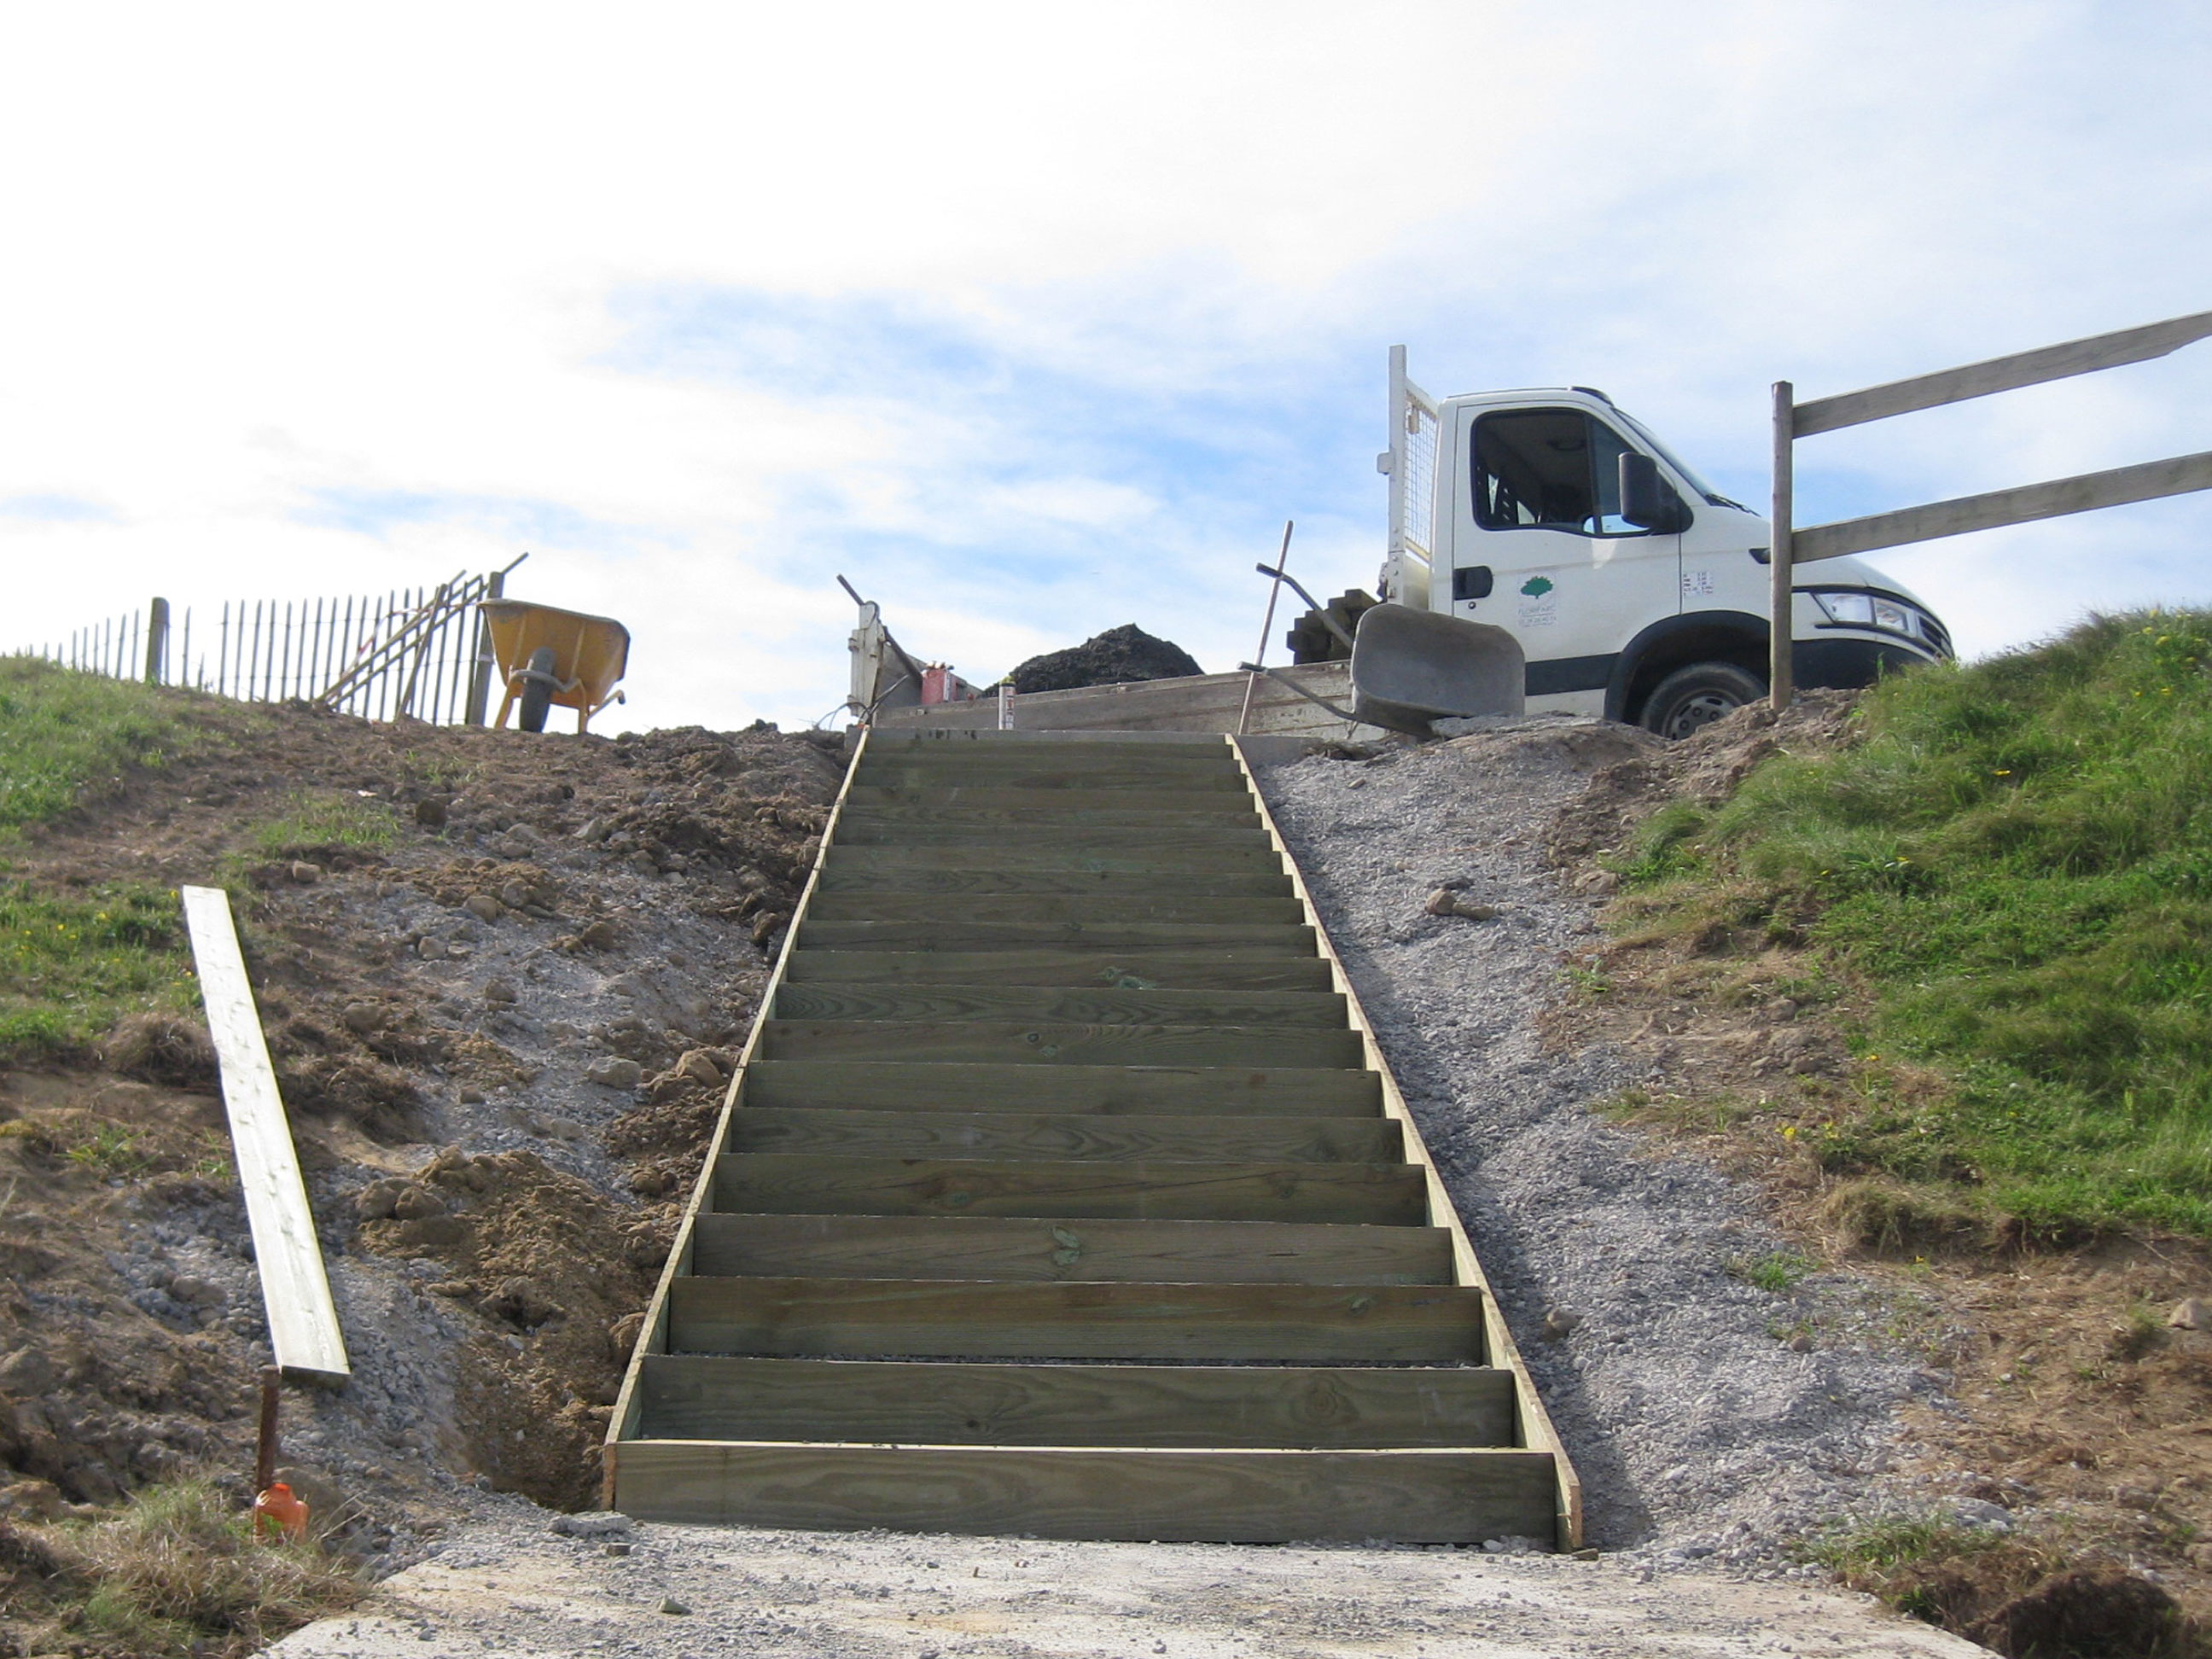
x,y
1701,1431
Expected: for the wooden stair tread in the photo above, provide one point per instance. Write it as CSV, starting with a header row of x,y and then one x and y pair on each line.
x,y
909,935
934,1402
1092,1319
772,1183
821,1000
1145,969
872,904
1066,1136
1012,1248
894,1085
1052,1044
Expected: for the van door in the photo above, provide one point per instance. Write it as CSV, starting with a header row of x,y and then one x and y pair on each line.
x,y
1539,547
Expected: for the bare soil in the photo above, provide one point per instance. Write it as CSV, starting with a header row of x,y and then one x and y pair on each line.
x,y
549,907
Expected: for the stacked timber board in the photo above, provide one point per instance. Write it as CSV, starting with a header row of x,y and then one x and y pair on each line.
x,y
1062,1191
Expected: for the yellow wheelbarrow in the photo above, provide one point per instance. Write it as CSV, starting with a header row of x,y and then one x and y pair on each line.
x,y
547,656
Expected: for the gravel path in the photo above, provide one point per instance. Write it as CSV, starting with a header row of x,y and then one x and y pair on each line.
x,y
508,1585
1697,1431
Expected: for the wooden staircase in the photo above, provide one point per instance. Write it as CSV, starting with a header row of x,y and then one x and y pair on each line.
x,y
1062,1191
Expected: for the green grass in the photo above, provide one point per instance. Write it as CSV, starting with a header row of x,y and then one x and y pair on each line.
x,y
63,731
317,821
2015,863
1780,1272
70,967
177,1571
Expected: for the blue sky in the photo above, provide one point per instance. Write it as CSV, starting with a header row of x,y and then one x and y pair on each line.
x,y
1033,320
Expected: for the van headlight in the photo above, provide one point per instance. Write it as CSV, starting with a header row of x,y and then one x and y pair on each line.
x,y
1870,610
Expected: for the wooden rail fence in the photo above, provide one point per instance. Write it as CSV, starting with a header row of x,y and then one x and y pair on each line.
x,y
417,652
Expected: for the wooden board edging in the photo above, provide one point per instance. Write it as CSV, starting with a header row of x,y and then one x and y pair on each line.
x,y
653,1337
1504,1352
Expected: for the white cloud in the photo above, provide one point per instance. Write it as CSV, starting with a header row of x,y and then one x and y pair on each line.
x,y
1037,321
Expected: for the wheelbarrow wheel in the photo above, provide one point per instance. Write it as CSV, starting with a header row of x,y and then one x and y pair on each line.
x,y
537,690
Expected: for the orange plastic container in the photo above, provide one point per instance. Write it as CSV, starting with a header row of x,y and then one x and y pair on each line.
x,y
279,1513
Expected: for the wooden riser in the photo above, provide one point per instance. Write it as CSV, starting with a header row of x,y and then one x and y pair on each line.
x,y
1138,806
1170,970
962,1319
898,811
923,1402
893,1086
814,1000
1266,938
1156,1497
1016,878
1176,781
958,839
1247,853
1068,1138
1005,1249
1040,1043
1357,1195
959,910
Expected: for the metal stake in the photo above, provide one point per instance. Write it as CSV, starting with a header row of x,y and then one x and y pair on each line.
x,y
1274,593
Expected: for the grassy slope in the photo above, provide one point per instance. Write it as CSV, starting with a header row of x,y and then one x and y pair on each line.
x,y
71,964
2016,864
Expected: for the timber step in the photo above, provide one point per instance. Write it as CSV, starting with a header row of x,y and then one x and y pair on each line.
x,y
956,933
1061,1191
1088,1319
1377,1194
1086,879
1142,969
1064,1137
967,909
1140,1090
1017,1248
1111,1005
1043,1042
931,1402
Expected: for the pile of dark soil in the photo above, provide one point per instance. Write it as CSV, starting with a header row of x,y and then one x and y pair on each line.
x,y
1114,658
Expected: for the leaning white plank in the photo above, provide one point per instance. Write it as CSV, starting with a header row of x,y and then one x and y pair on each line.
x,y
303,1326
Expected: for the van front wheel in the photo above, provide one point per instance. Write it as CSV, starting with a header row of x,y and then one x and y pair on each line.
x,y
1690,699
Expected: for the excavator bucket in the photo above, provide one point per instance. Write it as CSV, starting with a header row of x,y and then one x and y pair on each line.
x,y
1409,667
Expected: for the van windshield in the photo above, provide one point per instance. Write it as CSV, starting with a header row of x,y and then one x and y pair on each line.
x,y
1676,462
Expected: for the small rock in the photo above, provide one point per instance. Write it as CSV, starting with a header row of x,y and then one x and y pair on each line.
x,y
592,829
305,873
377,1201
615,1072
197,1292
524,834
1512,1544
1974,1512
642,862
669,1604
501,991
416,1203
1446,902
615,1549
471,1097
601,935
2191,1314
561,1129
430,811
1560,1322
483,906
39,1500
1599,883
431,949
1800,1343
519,1299
362,1018
27,1372
699,1065
515,894
594,1524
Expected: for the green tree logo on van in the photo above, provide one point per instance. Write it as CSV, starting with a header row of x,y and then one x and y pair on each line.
x,y
1536,587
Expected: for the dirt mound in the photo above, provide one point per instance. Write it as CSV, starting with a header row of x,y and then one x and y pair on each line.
x,y
1117,657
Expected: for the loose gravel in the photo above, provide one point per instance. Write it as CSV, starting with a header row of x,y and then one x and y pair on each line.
x,y
1699,1432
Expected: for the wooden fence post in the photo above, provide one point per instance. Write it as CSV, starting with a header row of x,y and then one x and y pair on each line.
x,y
480,681
1782,657
157,642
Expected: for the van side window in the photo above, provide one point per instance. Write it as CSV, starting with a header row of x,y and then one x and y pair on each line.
x,y
1552,469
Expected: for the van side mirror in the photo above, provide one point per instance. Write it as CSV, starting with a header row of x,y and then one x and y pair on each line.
x,y
1647,501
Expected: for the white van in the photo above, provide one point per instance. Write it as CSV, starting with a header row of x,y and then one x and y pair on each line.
x,y
1635,590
